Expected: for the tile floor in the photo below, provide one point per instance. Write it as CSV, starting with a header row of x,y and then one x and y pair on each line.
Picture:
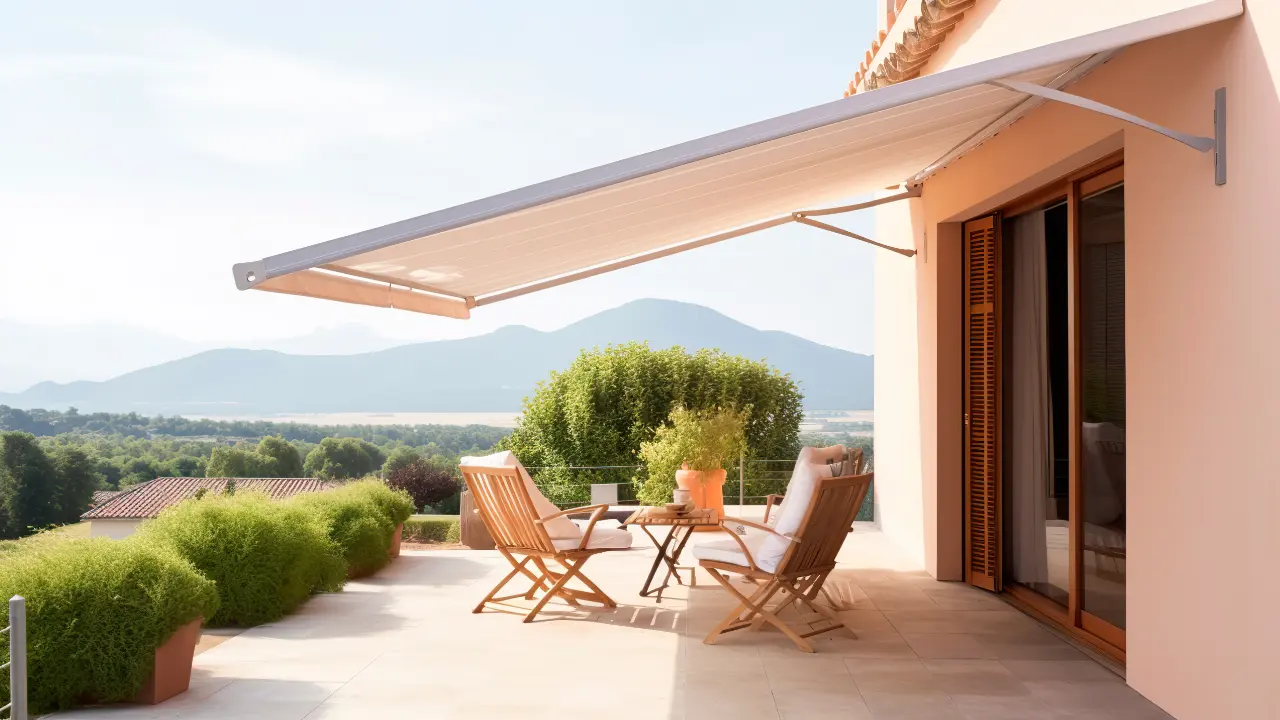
x,y
405,644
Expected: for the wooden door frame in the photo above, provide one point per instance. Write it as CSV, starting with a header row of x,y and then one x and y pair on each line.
x,y
1073,619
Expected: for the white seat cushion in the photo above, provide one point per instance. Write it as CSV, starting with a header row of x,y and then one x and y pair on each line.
x,y
729,551
561,527
791,513
601,538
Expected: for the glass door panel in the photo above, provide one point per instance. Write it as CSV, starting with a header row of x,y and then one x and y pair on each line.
x,y
1102,404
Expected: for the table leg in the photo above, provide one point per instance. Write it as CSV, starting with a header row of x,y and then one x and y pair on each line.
x,y
662,556
675,558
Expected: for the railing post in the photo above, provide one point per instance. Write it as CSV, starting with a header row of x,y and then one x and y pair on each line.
x,y
742,462
18,658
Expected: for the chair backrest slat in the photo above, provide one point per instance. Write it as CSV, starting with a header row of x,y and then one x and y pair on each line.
x,y
503,500
826,523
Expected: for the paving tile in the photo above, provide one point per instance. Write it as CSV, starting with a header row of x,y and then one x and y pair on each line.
x,y
911,706
1023,707
1097,699
944,646
891,675
1039,645
981,678
1067,670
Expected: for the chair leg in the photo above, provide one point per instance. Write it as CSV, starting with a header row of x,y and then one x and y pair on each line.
x,y
552,575
755,605
518,567
571,570
807,595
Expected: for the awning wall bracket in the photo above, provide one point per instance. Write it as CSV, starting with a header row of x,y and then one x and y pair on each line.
x,y
1217,143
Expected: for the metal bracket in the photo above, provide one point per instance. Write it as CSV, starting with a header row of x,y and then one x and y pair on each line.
x,y
805,217
1217,143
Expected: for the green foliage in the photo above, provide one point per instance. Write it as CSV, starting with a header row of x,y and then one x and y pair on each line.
x,y
96,611
425,485
237,462
75,483
286,462
26,485
609,402
342,458
266,557
400,457
449,440
360,519
431,529
702,439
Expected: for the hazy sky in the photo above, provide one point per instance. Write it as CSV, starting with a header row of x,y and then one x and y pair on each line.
x,y
144,148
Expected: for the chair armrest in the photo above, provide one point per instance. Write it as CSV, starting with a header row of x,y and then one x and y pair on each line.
x,y
758,526
769,501
597,511
574,511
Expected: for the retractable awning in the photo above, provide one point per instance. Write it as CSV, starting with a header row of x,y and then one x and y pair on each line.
x,y
706,190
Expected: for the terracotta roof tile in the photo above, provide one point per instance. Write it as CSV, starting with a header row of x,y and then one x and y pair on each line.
x,y
146,500
101,496
931,26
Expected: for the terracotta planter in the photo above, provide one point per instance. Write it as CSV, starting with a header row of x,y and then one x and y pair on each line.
x,y
394,550
707,489
172,672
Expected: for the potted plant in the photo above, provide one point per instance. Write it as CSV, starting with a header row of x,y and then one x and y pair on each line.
x,y
692,449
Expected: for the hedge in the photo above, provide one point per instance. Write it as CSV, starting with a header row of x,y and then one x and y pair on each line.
x,y
266,557
432,529
97,609
360,518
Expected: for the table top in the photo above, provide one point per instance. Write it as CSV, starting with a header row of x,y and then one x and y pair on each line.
x,y
661,516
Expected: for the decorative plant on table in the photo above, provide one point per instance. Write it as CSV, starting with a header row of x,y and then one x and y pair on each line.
x,y
692,449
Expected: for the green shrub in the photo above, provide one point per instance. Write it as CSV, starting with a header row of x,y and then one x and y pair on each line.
x,y
96,611
431,529
395,505
266,557
702,439
360,518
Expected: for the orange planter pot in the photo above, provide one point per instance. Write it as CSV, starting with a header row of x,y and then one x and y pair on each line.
x,y
707,489
394,550
172,672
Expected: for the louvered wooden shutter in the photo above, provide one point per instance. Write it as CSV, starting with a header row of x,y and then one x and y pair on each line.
x,y
981,372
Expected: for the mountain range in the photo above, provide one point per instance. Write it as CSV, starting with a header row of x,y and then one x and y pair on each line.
x,y
486,373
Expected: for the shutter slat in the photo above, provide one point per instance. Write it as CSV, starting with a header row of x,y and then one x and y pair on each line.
x,y
982,526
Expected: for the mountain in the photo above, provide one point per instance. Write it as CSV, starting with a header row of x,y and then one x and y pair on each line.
x,y
57,352
488,373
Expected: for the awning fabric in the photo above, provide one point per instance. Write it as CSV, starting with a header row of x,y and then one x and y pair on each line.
x,y
692,194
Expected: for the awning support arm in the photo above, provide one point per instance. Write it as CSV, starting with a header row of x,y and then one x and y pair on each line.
x,y
841,231
1217,143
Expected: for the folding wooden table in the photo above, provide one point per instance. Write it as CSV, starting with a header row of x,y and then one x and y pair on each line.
x,y
669,548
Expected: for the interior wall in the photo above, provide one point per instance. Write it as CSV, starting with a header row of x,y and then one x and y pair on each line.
x,y
1203,395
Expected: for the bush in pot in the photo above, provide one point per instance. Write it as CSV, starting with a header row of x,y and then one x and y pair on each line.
x,y
266,557
702,442
360,518
97,610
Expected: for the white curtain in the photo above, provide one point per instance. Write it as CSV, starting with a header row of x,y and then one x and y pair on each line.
x,y
1029,425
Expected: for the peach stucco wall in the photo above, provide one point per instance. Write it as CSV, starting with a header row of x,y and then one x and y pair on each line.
x,y
1203,388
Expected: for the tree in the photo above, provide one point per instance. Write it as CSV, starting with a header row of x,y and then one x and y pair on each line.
x,y
399,457
74,483
600,410
285,457
342,458
425,484
231,462
26,485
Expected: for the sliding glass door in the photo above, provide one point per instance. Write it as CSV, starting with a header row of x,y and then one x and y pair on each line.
x,y
1045,404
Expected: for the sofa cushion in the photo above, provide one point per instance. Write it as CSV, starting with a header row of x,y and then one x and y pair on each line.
x,y
600,538
561,527
791,513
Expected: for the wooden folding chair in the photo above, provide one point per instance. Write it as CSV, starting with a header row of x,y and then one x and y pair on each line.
x,y
799,576
503,503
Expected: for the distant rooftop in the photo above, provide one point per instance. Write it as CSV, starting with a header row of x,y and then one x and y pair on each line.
x,y
146,500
